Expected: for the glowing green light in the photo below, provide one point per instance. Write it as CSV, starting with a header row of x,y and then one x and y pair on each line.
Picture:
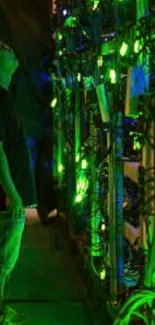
x,y
103,227
103,274
124,49
96,3
100,61
79,76
78,198
60,53
84,164
70,22
137,144
59,36
137,46
60,168
77,158
113,76
82,185
54,102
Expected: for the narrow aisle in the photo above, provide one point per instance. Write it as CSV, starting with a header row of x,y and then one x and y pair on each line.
x,y
45,287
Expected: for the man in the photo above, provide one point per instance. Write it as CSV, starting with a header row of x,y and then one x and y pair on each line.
x,y
12,171
23,27
16,178
16,175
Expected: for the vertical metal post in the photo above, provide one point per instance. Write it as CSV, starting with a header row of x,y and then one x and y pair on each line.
x,y
116,188
115,203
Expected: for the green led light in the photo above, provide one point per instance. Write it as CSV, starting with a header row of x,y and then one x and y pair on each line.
x,y
100,61
113,76
137,144
70,22
137,46
78,198
59,36
60,168
95,5
103,274
79,77
54,102
77,158
103,227
124,49
82,185
84,164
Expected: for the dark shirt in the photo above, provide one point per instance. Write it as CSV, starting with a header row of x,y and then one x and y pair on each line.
x,y
15,147
1,135
3,98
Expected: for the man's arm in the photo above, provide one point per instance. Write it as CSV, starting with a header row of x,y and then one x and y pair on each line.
x,y
7,182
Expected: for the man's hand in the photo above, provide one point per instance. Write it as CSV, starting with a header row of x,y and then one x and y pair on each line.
x,y
17,211
15,202
16,208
